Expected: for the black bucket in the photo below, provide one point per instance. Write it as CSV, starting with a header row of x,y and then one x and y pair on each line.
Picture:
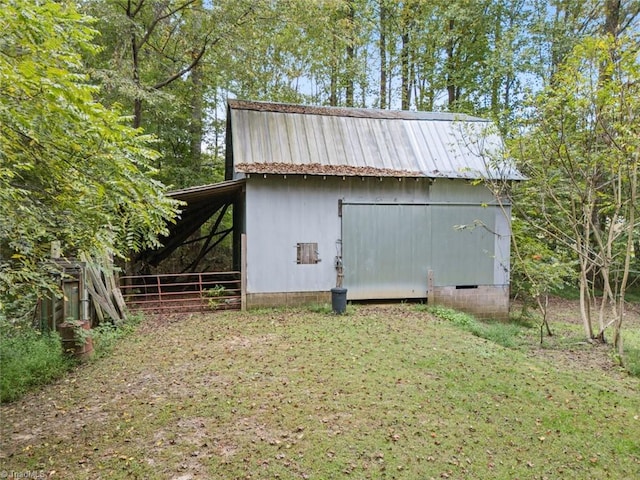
x,y
339,300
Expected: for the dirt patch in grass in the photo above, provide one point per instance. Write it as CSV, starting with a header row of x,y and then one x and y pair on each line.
x,y
567,346
568,311
385,392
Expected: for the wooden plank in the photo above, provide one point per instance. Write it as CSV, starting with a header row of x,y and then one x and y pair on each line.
x,y
97,308
112,287
98,295
100,292
122,305
243,272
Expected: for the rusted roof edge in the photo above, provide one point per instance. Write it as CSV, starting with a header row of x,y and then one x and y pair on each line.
x,y
317,169
350,112
203,191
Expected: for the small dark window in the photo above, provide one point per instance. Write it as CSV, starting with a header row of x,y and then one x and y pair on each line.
x,y
307,253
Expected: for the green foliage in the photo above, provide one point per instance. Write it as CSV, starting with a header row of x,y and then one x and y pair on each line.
x,y
107,335
70,169
632,361
213,294
159,63
323,308
460,319
502,333
631,354
215,291
539,267
29,359
80,334
327,309
579,149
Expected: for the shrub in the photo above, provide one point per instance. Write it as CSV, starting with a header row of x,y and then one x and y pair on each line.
x,y
504,334
106,335
457,318
28,359
632,361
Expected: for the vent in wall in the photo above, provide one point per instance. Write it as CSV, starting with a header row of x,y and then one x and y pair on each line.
x,y
307,253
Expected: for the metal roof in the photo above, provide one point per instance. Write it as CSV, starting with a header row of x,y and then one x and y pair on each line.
x,y
200,203
295,139
208,193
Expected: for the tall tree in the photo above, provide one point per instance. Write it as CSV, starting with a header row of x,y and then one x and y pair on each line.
x,y
581,156
383,29
157,30
156,59
71,170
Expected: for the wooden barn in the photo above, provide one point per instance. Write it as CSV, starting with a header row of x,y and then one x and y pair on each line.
x,y
391,203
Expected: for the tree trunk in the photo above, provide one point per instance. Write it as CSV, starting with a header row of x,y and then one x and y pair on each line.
x,y
451,86
137,113
383,54
351,54
612,17
195,127
584,305
404,61
135,67
495,77
582,248
333,81
631,221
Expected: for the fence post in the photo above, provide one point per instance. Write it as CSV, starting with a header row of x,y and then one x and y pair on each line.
x,y
159,291
243,272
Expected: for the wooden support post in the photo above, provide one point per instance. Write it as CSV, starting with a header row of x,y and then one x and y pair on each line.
x,y
243,272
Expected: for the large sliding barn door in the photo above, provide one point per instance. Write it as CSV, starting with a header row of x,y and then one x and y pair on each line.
x,y
386,250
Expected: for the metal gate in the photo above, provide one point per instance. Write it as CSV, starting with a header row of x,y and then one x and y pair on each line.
x,y
183,292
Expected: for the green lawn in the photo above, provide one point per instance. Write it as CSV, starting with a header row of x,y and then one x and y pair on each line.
x,y
384,392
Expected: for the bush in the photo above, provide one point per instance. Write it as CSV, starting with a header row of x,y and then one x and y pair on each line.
x,y
28,359
457,318
106,335
632,361
504,334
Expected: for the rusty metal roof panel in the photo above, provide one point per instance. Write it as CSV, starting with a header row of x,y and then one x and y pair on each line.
x,y
294,139
205,193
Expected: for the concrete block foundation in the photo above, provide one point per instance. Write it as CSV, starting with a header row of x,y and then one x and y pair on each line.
x,y
486,302
287,299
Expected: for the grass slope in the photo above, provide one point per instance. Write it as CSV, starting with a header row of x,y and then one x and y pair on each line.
x,y
385,392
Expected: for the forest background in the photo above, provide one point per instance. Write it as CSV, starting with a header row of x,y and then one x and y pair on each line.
x,y
107,103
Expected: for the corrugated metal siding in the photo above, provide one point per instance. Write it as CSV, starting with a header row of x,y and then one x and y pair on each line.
x,y
321,142
385,259
394,231
463,245
282,212
382,257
